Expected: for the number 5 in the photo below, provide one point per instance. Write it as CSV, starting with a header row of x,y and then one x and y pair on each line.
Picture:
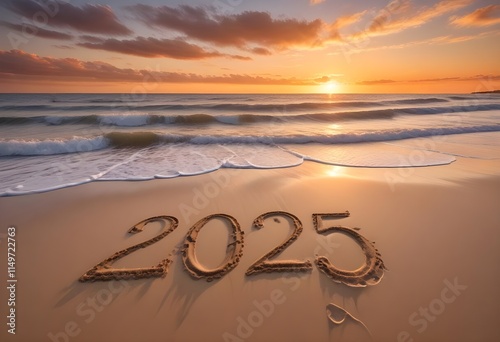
x,y
369,274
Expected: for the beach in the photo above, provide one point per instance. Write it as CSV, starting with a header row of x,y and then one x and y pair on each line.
x,y
436,229
249,171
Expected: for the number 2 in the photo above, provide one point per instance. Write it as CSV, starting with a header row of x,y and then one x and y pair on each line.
x,y
264,265
102,272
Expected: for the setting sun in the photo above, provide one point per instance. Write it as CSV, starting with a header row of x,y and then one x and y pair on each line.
x,y
316,46
331,87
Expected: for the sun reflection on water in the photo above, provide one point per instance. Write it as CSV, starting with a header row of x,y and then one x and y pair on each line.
x,y
334,171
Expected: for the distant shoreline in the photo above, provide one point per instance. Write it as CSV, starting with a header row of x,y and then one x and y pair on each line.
x,y
487,92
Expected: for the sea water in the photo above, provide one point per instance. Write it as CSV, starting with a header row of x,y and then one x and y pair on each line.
x,y
50,141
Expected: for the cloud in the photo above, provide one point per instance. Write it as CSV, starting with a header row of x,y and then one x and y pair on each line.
x,y
237,30
152,47
322,79
440,40
19,65
478,77
316,2
64,47
32,30
155,48
375,82
16,64
239,57
88,18
92,39
261,51
342,22
400,15
486,16
441,79
434,80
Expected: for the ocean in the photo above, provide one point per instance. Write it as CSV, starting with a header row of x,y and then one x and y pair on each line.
x,y
52,141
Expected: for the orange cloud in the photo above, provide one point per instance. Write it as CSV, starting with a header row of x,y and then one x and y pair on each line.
x,y
152,47
88,18
400,15
433,80
261,51
375,82
238,30
440,40
486,16
347,20
342,22
16,64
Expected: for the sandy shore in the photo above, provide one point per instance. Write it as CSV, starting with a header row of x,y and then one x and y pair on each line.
x,y
437,230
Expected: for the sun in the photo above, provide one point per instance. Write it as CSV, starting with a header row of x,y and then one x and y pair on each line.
x,y
330,87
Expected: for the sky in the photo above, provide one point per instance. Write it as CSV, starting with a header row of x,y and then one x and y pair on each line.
x,y
250,46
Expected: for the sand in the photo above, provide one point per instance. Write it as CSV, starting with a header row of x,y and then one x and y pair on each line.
x,y
435,229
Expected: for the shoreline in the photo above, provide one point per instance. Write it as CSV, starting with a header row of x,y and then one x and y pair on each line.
x,y
461,167
436,229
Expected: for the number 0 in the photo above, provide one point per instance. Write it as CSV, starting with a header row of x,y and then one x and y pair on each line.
x,y
233,253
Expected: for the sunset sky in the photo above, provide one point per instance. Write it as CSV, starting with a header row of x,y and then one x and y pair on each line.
x,y
250,46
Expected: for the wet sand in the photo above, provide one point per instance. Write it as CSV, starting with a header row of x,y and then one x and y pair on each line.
x,y
424,259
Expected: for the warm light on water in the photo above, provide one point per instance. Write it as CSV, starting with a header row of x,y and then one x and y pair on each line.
x,y
335,171
333,129
65,139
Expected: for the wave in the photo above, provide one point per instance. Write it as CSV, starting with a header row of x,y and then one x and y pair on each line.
x,y
148,139
115,100
15,120
122,104
50,147
137,120
417,101
449,109
26,107
388,135
457,97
